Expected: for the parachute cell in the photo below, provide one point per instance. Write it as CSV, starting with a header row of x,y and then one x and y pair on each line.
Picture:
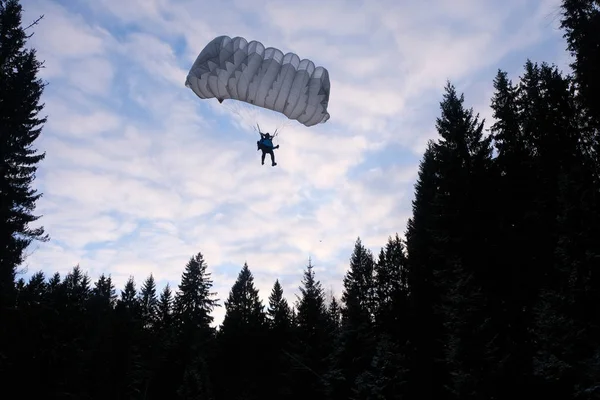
x,y
233,68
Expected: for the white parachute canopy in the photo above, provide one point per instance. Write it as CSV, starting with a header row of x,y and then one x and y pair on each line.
x,y
233,68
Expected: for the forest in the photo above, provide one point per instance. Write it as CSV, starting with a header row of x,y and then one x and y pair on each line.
x,y
492,292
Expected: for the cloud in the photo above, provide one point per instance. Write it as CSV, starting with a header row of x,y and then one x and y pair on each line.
x,y
141,175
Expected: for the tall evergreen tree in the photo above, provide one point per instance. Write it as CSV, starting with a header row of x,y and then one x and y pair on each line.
x,y
129,295
148,303
194,302
104,292
20,127
566,320
128,372
161,383
391,313
151,347
581,23
334,311
279,344
314,342
386,374
193,306
428,376
165,307
357,341
27,348
448,244
102,338
537,143
74,295
462,241
77,289
244,309
34,293
279,311
242,340
514,205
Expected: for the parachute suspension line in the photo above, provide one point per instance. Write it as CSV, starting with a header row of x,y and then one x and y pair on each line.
x,y
282,125
237,107
242,110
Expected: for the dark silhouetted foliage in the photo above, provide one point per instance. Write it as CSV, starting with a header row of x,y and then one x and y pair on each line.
x,y
493,294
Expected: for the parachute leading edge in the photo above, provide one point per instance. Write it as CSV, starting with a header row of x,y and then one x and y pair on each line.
x,y
233,68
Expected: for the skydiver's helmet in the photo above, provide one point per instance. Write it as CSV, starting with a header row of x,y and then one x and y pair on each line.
x,y
268,136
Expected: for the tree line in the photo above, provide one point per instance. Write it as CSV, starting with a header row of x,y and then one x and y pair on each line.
x,y
492,294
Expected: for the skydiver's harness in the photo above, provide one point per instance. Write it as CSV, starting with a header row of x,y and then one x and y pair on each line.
x,y
265,144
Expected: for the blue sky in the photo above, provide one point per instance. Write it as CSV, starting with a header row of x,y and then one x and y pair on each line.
x,y
140,174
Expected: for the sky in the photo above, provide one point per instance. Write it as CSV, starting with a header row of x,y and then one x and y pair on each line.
x,y
140,174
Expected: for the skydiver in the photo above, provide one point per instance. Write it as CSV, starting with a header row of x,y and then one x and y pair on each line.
x,y
266,145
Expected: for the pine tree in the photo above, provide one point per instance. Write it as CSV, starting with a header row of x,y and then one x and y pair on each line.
x,y
104,292
102,337
77,289
193,305
163,379
357,341
463,240
242,340
279,343
514,198
448,244
386,376
428,374
334,311
194,302
314,343
128,298
565,323
148,303
34,293
244,309
359,291
279,311
149,343
524,204
27,345
74,295
20,127
54,283
128,370
165,307
581,23
391,290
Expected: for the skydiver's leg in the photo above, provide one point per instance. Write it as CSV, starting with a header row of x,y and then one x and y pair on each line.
x,y
262,159
273,163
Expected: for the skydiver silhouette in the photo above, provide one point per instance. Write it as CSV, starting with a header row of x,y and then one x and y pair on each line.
x,y
266,145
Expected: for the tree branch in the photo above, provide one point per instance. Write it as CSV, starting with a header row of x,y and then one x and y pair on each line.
x,y
33,24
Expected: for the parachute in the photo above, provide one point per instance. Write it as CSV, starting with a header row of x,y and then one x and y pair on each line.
x,y
233,68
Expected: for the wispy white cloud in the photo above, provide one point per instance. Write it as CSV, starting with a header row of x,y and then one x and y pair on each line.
x,y
140,174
